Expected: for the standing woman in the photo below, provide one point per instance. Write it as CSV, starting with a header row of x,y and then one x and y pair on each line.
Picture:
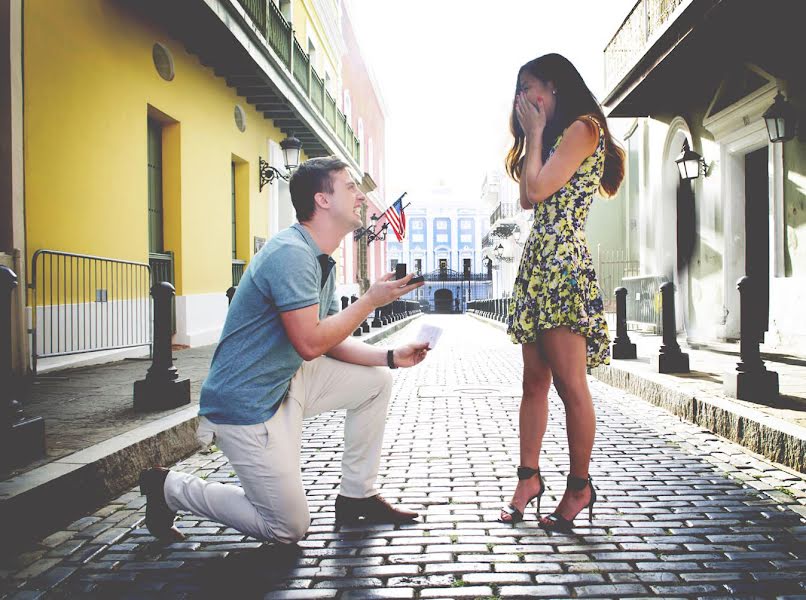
x,y
562,155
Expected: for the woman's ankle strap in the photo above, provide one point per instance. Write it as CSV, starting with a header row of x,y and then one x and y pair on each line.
x,y
527,472
578,483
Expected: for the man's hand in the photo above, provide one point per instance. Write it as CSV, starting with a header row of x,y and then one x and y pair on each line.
x,y
386,289
410,354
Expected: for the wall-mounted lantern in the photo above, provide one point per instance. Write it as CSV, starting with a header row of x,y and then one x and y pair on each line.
x,y
781,120
291,147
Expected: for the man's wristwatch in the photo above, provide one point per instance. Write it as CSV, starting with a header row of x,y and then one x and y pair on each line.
x,y
390,359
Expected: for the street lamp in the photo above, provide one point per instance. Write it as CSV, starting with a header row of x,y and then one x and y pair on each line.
x,y
781,120
291,147
689,163
499,254
372,232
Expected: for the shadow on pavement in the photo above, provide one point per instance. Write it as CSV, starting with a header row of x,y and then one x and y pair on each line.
x,y
249,573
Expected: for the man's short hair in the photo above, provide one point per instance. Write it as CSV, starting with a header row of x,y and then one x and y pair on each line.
x,y
310,178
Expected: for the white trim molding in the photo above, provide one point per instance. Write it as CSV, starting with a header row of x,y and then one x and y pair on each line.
x,y
200,318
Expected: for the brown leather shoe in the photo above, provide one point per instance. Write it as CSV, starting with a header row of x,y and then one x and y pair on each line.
x,y
159,518
374,509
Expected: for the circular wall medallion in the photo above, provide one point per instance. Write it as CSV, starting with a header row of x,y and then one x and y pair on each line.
x,y
240,118
163,61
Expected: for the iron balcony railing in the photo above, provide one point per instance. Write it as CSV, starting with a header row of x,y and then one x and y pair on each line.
x,y
317,94
279,34
302,67
504,210
487,240
645,19
82,303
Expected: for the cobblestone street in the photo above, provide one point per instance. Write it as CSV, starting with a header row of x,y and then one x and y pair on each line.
x,y
680,512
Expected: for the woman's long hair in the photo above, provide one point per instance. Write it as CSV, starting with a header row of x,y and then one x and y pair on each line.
x,y
573,100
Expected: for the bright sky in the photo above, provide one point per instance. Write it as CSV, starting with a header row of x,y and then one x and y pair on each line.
x,y
447,72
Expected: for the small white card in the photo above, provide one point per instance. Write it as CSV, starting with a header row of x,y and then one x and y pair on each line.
x,y
430,334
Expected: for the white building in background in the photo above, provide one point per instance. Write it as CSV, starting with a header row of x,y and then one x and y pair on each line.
x,y
443,234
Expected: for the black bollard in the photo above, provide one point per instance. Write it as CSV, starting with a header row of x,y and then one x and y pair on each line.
x,y
358,331
345,302
21,438
376,322
161,389
751,380
230,294
670,358
623,348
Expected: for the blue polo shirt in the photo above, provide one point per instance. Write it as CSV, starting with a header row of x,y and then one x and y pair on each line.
x,y
255,361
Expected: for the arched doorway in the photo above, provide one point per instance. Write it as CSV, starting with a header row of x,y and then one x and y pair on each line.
x,y
443,301
676,222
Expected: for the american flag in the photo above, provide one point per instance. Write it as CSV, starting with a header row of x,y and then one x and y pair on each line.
x,y
397,219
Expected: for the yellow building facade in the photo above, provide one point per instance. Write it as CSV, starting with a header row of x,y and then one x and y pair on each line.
x,y
137,145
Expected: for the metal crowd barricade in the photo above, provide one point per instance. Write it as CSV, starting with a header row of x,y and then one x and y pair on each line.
x,y
644,302
82,303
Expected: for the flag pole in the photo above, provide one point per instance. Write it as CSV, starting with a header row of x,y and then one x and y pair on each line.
x,y
393,203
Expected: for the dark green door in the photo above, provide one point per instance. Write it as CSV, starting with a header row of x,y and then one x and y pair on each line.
x,y
155,232
234,249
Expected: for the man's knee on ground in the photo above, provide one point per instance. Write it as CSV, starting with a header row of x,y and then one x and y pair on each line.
x,y
291,528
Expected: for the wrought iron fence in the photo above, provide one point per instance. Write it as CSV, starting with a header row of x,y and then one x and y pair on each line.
x,y
82,303
446,290
162,269
629,42
238,267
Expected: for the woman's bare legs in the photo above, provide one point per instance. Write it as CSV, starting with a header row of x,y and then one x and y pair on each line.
x,y
534,413
565,352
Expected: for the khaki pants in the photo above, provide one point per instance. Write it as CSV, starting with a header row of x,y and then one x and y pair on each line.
x,y
271,503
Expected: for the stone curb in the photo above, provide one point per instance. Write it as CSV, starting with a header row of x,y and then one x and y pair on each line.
x,y
773,438
34,503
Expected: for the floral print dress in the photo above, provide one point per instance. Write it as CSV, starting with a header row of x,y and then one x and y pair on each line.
x,y
556,284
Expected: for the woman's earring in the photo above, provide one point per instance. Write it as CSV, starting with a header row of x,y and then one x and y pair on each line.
x,y
553,92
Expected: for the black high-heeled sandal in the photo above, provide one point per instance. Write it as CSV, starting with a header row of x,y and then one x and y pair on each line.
x,y
557,522
515,515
